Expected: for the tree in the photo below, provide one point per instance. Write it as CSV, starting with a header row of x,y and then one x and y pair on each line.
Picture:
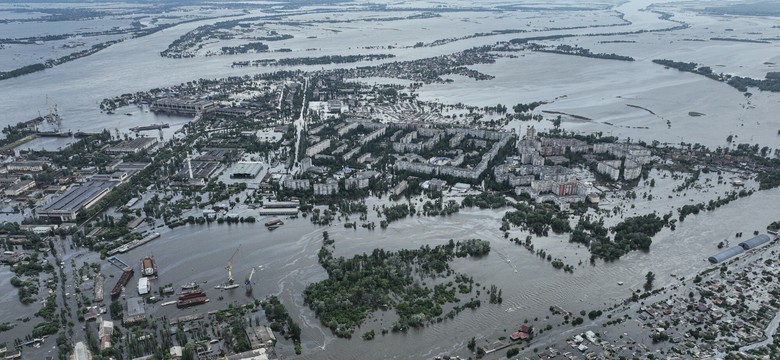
x,y
650,277
116,310
188,353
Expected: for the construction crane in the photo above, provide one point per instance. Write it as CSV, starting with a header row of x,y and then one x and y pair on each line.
x,y
248,281
229,266
54,115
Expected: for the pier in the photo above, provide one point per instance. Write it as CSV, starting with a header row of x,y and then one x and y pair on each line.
x,y
133,244
150,127
118,262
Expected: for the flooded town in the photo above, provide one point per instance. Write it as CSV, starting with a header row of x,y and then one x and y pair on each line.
x,y
294,182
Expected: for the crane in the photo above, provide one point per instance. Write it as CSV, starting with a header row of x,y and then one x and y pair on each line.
x,y
229,266
248,281
54,115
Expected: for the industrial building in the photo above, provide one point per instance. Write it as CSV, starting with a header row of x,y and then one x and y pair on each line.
x,y
246,170
281,204
755,242
182,106
27,166
133,146
726,254
20,187
135,310
67,206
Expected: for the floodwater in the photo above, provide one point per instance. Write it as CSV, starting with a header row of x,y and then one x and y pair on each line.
x,y
597,89
286,260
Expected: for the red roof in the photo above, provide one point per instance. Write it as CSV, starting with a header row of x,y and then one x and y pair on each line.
x,y
525,328
518,336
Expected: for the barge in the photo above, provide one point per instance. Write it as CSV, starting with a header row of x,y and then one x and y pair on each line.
x,y
127,273
148,266
181,304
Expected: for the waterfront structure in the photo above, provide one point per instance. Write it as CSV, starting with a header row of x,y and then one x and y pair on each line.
x,y
755,242
726,254
183,106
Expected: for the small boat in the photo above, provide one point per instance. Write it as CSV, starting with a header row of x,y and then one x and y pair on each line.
x,y
190,286
620,283
226,287
276,222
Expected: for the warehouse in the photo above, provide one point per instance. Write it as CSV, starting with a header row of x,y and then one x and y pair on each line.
x,y
755,242
67,206
726,254
246,170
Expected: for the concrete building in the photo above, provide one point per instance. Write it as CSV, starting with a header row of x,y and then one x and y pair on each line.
x,y
105,331
297,184
631,170
27,166
400,188
260,337
81,352
317,148
373,135
434,184
611,168
183,106
329,187
347,128
67,206
20,187
133,146
246,170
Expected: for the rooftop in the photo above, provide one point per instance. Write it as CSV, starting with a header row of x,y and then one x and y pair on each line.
x,y
77,197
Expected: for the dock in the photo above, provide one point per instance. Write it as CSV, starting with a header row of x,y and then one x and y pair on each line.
x,y
118,262
150,127
134,244
19,142
65,134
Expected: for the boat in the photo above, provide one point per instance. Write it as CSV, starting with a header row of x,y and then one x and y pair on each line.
x,y
190,286
276,222
181,304
620,283
226,287
148,266
185,296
